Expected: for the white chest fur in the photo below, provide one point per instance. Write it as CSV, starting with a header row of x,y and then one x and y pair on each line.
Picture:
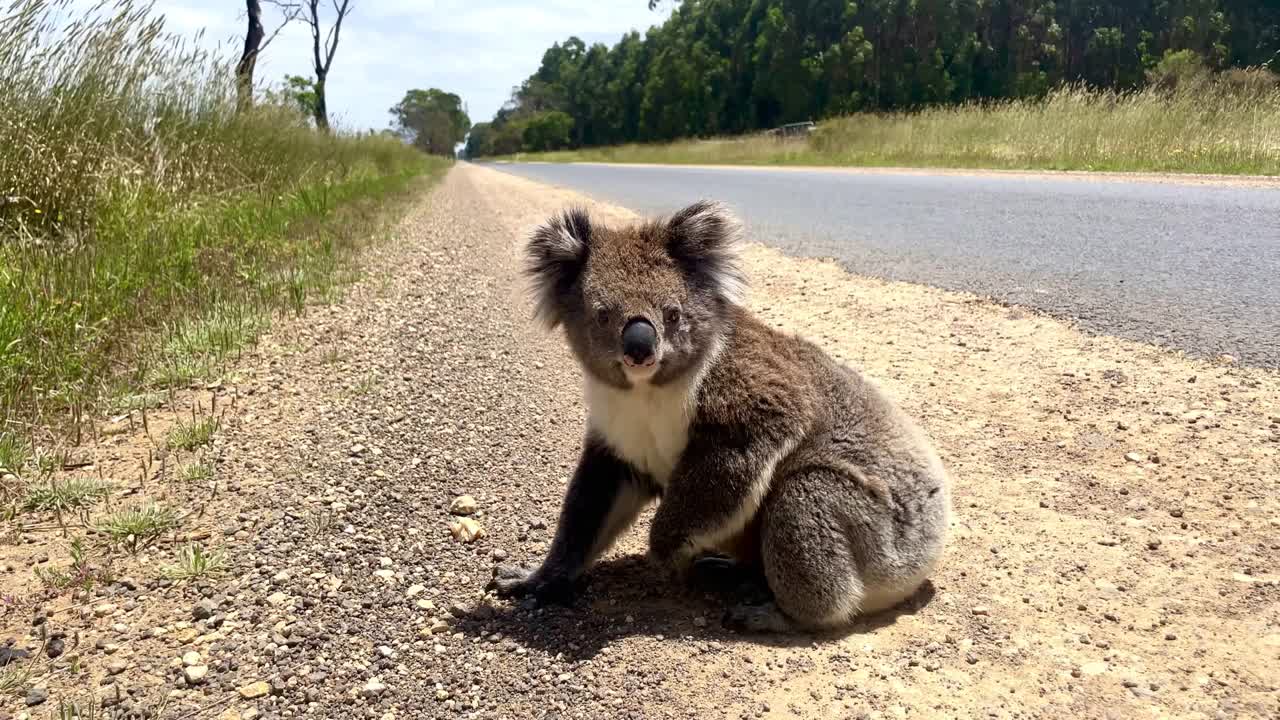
x,y
647,426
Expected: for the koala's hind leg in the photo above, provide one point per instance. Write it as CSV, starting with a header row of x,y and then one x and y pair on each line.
x,y
808,548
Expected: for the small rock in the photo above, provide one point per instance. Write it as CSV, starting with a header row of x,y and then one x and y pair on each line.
x,y
277,598
458,610
203,610
55,647
463,505
414,590
191,658
356,450
699,621
981,610
115,667
467,530
373,688
104,609
386,651
195,674
537,523
1135,457
37,696
255,690
280,578
499,554
971,659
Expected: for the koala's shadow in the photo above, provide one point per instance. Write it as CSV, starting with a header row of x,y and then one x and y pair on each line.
x,y
622,597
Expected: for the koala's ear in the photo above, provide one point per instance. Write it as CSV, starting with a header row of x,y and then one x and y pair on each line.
x,y
554,258
704,239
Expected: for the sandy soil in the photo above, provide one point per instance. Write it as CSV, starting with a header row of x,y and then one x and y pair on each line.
x,y
1113,555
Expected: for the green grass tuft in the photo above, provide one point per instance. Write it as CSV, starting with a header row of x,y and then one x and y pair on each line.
x,y
195,562
189,436
65,496
14,453
197,472
135,528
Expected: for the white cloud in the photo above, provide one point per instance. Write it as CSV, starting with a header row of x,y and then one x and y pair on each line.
x,y
478,49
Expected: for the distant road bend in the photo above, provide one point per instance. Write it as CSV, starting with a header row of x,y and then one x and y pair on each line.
x,y
1188,264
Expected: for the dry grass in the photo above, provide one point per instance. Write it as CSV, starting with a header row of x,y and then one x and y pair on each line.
x,y
148,229
1226,126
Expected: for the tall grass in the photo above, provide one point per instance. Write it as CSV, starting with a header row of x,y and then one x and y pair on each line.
x,y
135,202
1224,124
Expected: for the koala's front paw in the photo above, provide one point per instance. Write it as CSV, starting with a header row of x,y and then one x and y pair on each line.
x,y
676,565
540,585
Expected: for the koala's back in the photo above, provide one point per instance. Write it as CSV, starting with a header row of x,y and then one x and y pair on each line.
x,y
861,458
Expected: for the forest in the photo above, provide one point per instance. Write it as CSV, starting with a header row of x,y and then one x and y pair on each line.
x,y
724,67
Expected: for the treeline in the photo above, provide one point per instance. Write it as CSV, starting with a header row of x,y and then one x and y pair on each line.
x,y
732,66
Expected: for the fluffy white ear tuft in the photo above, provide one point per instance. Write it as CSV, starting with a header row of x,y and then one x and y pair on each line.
x,y
554,258
705,238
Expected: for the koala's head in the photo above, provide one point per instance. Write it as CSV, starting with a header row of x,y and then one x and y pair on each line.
x,y
640,304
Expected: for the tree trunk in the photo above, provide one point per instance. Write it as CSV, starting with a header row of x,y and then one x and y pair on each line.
x,y
249,58
322,110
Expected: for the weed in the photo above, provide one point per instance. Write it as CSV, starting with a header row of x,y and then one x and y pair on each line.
x,y
196,562
189,436
14,453
135,528
128,402
81,573
14,676
88,709
365,385
69,495
198,471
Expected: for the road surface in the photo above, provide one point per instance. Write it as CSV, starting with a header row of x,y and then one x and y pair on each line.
x,y
1189,265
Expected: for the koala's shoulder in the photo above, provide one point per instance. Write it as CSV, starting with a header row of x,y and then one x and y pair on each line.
x,y
762,376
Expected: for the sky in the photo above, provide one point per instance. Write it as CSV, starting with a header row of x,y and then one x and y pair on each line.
x,y
477,49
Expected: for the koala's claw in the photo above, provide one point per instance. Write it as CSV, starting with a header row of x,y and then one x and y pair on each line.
x,y
539,586
764,618
510,580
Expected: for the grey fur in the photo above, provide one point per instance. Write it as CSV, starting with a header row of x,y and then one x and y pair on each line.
x,y
761,446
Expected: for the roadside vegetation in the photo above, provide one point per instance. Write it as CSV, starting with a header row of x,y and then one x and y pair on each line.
x,y
150,224
1101,85
1212,125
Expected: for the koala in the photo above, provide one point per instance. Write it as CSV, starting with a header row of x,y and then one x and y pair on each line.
x,y
768,458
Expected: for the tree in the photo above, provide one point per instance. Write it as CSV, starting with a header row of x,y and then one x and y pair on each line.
x,y
433,120
322,51
302,92
547,131
730,66
255,41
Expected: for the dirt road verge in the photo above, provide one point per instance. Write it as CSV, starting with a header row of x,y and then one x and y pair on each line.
x,y
1116,526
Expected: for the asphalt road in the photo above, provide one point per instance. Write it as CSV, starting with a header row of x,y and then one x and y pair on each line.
x,y
1194,266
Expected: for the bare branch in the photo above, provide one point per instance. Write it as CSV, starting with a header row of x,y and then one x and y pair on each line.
x,y
331,44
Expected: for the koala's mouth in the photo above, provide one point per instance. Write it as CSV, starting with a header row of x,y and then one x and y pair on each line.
x,y
640,370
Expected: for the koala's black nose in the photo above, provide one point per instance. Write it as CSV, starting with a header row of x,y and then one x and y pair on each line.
x,y
639,341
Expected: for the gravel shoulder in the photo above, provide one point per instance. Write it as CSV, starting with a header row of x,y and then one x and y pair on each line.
x,y
1114,547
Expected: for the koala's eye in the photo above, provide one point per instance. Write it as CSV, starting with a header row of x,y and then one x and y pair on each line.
x,y
602,316
673,315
